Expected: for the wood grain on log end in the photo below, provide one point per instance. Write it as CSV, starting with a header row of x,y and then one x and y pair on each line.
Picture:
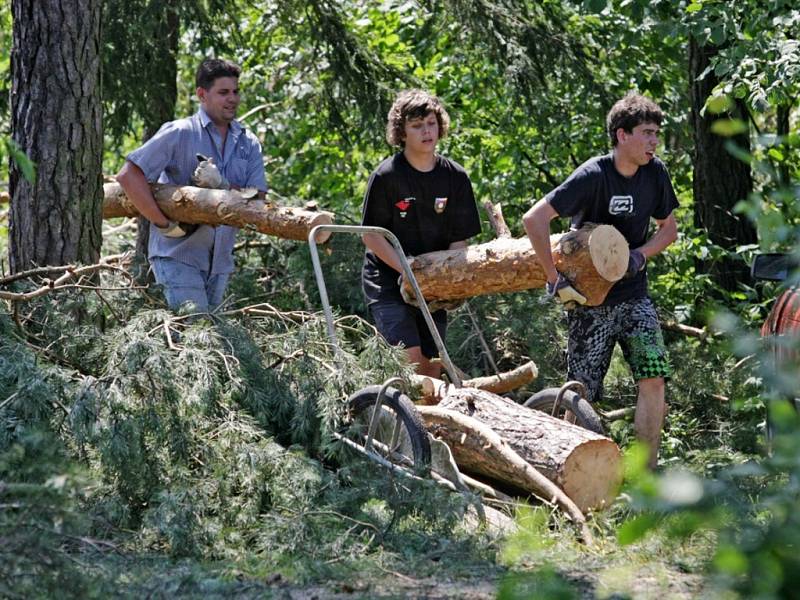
x,y
609,252
592,474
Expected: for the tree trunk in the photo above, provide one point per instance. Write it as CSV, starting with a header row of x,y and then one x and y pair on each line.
x,y
587,466
593,258
56,119
221,207
720,179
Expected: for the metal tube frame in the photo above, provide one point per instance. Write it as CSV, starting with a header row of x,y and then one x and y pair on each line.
x,y
407,273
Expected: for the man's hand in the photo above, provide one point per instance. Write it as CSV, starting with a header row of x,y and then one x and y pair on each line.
x,y
563,291
173,229
636,262
207,175
409,297
433,305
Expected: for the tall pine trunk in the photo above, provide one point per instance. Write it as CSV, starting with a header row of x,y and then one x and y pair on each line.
x,y
720,180
56,119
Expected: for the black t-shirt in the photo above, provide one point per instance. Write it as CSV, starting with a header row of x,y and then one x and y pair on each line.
x,y
427,211
597,193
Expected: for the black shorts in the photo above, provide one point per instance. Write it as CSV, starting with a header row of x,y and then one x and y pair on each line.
x,y
402,324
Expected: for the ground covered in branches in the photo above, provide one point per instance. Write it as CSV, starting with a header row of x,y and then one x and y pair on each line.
x,y
144,453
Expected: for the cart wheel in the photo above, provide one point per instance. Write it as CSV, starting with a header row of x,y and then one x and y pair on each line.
x,y
400,436
585,415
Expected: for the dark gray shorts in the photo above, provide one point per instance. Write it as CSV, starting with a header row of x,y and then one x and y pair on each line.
x,y
401,323
594,331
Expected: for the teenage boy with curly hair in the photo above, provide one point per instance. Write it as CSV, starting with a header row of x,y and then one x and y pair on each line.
x,y
625,188
426,200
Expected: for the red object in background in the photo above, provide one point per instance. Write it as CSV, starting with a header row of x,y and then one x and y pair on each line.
x,y
784,319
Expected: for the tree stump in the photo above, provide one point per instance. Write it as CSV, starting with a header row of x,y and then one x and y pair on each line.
x,y
587,466
593,257
221,207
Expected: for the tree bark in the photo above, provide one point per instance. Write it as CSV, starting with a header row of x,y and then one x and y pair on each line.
x,y
593,258
221,207
587,466
56,119
433,390
720,180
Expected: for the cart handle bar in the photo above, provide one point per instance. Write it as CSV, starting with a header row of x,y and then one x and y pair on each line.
x,y
407,272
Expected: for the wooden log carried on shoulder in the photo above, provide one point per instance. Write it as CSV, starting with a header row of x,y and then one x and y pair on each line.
x,y
593,258
221,207
585,465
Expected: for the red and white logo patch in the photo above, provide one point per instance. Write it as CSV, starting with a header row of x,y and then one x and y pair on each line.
x,y
403,206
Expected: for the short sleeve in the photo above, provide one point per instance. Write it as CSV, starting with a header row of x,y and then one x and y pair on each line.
x,y
376,211
155,154
466,223
575,193
667,200
256,175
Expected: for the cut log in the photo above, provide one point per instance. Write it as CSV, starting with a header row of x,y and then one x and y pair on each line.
x,y
481,436
587,466
221,207
431,390
593,258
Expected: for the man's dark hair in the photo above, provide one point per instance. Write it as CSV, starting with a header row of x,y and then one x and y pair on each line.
x,y
212,69
632,110
414,104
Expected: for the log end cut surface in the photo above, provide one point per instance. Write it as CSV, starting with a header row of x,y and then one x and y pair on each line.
x,y
609,252
592,474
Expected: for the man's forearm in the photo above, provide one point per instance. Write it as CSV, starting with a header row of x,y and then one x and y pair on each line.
x,y
383,250
537,226
137,189
665,235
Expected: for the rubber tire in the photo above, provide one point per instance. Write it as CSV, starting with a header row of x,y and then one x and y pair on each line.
x,y
585,415
365,398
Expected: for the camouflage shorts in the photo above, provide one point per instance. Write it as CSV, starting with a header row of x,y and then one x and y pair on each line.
x,y
593,332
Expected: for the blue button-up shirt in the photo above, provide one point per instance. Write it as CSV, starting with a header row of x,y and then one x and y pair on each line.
x,y
170,157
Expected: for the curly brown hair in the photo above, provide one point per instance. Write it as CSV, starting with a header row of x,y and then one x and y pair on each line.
x,y
632,110
414,104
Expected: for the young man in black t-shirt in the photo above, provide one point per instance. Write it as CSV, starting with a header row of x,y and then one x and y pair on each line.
x,y
626,188
426,200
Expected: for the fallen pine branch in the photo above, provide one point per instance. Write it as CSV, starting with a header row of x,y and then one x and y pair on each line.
x,y
432,390
68,274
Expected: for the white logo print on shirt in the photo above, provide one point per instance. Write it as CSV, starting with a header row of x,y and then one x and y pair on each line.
x,y
620,205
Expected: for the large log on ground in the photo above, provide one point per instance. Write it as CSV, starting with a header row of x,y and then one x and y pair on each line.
x,y
587,466
220,207
593,258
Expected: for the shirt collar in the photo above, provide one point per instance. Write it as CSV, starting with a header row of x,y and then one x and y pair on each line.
x,y
235,127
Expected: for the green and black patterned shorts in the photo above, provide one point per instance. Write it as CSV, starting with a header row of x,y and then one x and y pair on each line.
x,y
593,332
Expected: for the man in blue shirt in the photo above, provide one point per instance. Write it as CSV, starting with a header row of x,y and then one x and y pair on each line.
x,y
628,188
194,262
